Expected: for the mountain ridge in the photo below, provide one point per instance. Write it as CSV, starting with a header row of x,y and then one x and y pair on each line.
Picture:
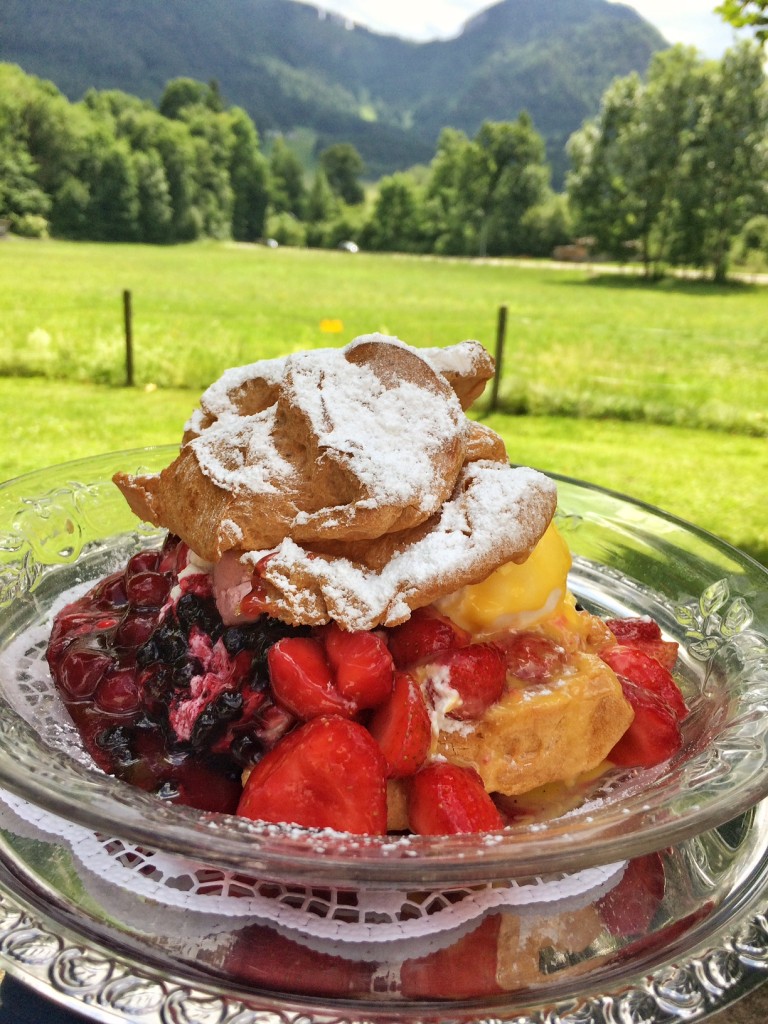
x,y
294,65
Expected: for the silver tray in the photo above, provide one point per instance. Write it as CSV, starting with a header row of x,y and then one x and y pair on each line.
x,y
101,977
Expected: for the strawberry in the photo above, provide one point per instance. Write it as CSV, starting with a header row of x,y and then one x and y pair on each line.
x,y
631,905
327,773
402,728
654,735
425,633
448,799
645,635
362,664
627,631
647,672
302,681
531,657
663,651
477,673
466,969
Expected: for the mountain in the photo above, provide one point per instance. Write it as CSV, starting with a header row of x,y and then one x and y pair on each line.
x,y
293,65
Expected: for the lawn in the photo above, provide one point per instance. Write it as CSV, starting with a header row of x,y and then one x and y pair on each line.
x,y
619,378
683,353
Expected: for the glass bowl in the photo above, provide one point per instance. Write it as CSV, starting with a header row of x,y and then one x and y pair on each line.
x,y
63,527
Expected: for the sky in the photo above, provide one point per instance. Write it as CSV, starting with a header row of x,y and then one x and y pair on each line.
x,y
680,21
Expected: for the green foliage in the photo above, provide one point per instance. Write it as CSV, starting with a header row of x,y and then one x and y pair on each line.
x,y
30,225
343,167
480,190
248,173
396,223
744,13
113,168
287,192
674,167
750,248
545,225
285,228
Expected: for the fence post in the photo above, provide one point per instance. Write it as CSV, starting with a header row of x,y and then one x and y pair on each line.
x,y
128,324
501,332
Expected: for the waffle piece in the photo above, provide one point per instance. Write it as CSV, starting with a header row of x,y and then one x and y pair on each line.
x,y
536,734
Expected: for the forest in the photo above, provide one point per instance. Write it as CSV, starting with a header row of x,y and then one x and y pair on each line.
x,y
671,172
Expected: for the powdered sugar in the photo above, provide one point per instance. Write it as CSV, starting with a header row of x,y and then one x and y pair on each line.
x,y
386,432
490,511
238,453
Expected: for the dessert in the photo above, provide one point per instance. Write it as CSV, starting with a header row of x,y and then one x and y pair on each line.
x,y
359,618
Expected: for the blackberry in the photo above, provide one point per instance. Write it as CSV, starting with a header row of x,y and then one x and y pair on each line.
x,y
167,644
184,674
193,610
247,749
116,740
259,678
215,716
239,638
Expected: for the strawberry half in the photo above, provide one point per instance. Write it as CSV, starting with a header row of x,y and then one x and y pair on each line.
x,y
477,673
362,665
629,630
645,635
647,672
302,680
402,728
654,734
447,799
425,633
531,657
629,908
328,773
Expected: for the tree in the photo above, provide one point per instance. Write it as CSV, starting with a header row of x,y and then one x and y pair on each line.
x,y
726,163
248,176
287,190
69,218
114,207
516,179
745,13
321,202
395,222
480,190
453,210
321,207
180,93
20,194
155,217
627,162
343,167
546,225
677,164
599,194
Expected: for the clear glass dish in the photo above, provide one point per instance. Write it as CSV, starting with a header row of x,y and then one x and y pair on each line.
x,y
65,526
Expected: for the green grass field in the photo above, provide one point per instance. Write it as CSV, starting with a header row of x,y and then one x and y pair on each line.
x,y
654,391
683,353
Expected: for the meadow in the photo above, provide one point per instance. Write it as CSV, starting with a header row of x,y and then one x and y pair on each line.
x,y
655,390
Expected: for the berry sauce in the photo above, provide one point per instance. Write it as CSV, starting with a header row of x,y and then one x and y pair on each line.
x,y
163,694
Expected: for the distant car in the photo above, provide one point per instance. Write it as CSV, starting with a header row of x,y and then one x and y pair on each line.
x,y
348,246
